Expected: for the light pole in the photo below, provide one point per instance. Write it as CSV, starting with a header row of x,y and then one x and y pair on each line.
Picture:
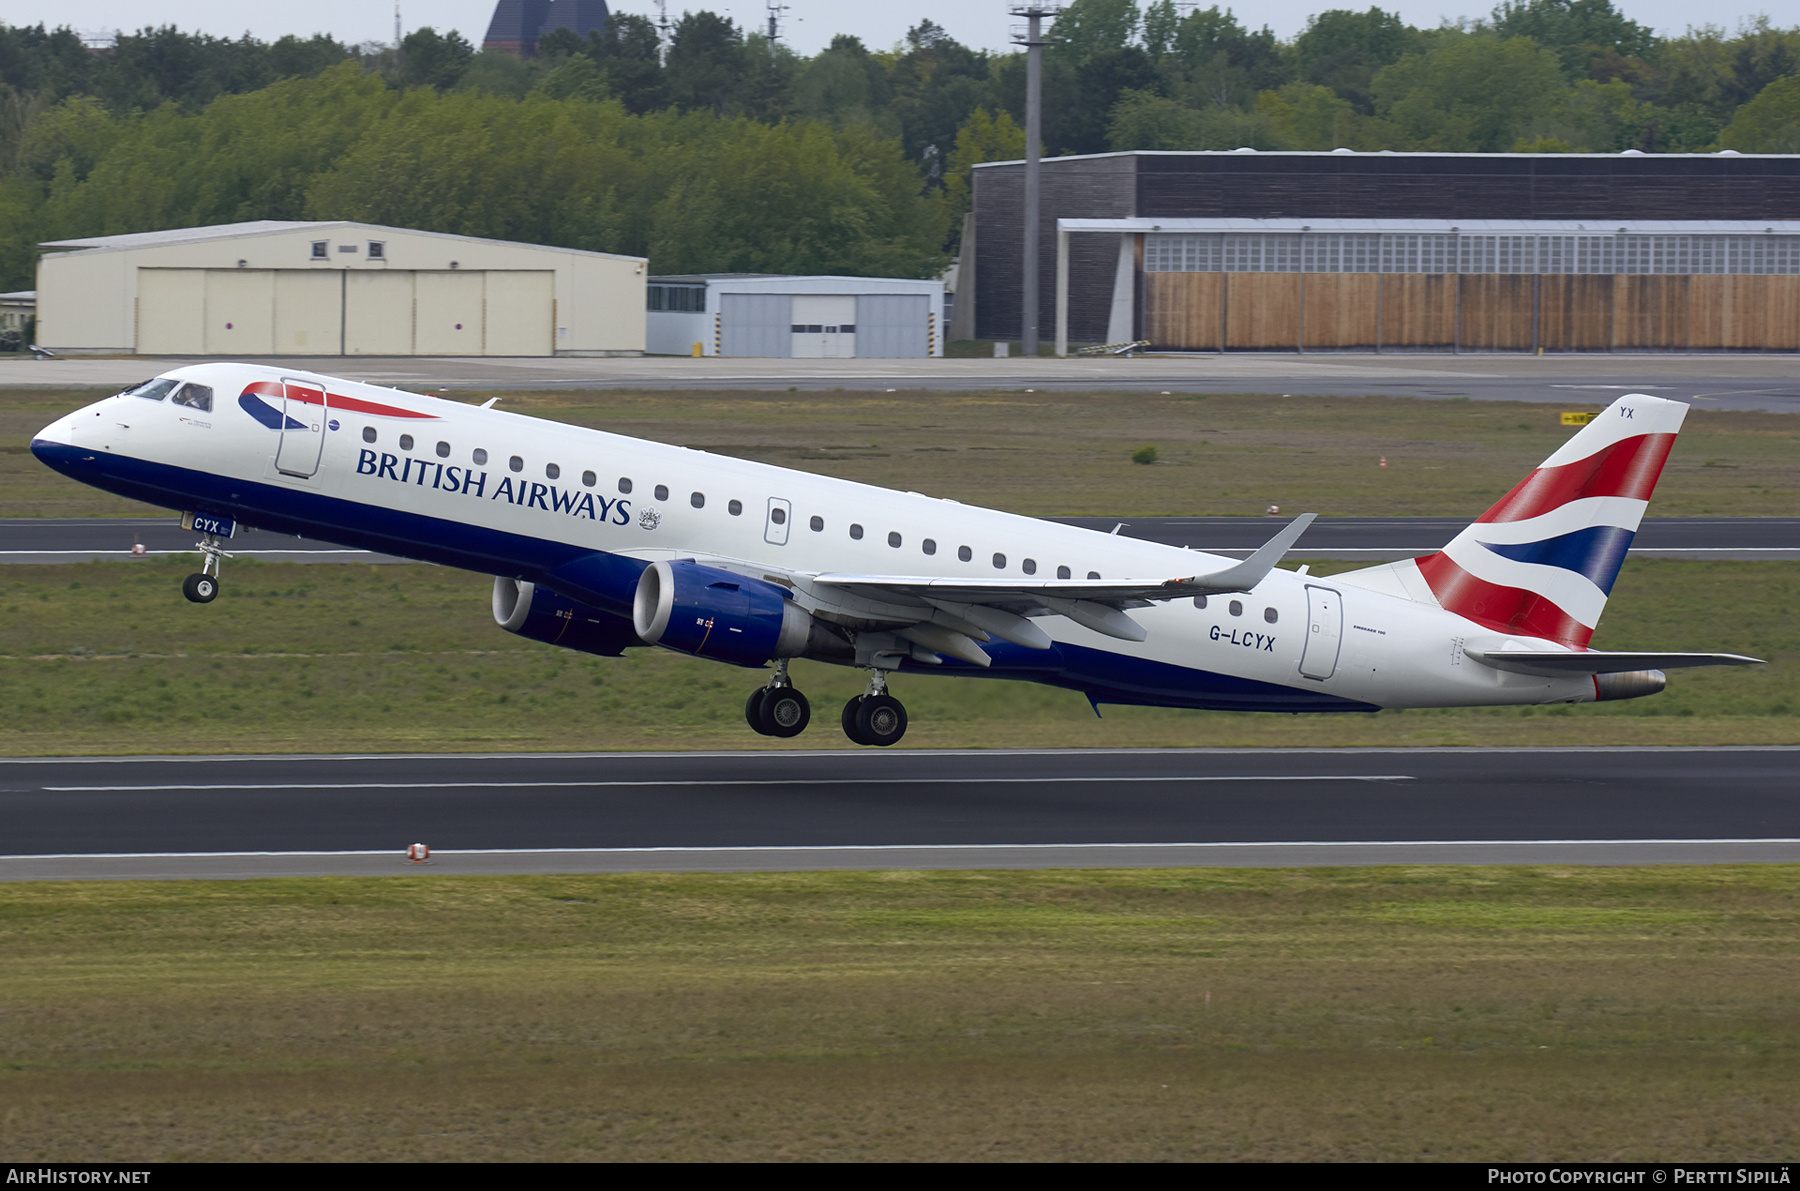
x,y
1034,43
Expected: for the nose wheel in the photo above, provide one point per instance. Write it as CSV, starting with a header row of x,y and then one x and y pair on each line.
x,y
203,588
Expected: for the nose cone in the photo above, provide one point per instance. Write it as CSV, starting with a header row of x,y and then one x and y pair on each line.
x,y
55,447
60,433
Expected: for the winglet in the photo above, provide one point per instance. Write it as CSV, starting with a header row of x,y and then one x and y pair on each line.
x,y
1247,574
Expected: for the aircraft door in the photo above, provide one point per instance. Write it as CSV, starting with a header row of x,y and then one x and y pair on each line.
x,y
775,527
302,430
1324,632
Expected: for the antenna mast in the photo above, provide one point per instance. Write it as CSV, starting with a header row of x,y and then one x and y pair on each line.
x,y
776,8
396,24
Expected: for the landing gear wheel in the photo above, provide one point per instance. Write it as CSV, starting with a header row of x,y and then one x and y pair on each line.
x,y
880,720
785,712
753,710
848,719
201,589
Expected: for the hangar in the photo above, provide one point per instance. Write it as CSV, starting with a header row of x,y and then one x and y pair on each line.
x,y
292,288
1276,251
761,314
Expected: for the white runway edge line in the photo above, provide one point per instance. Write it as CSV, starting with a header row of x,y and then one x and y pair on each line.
x,y
809,781
737,849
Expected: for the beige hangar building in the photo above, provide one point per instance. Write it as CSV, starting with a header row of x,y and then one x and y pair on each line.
x,y
281,288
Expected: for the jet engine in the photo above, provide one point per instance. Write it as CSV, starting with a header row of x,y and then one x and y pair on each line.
x,y
716,614
542,615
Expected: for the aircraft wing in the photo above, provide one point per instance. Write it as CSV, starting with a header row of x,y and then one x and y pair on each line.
x,y
1557,664
979,608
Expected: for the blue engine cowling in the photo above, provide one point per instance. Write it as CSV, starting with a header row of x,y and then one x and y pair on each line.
x,y
542,615
716,614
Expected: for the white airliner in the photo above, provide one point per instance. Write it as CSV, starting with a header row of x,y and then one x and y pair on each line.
x,y
600,543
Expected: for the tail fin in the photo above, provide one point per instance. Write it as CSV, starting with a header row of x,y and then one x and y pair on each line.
x,y
1542,561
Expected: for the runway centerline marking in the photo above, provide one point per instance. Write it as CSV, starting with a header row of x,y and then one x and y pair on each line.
x,y
839,781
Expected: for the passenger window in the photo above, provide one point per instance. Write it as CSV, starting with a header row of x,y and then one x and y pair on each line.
x,y
1093,574
1236,607
588,479
1199,601
999,562
369,435
515,463
479,455
698,500
194,397
856,532
778,515
552,471
894,540
1270,615
929,546
406,442
735,508
1062,572
1029,566
662,492
964,553
443,450
624,485
818,524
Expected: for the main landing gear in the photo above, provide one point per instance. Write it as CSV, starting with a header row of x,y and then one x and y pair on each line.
x,y
779,709
203,588
876,717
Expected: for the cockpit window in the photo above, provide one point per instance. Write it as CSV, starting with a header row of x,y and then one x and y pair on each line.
x,y
194,397
154,390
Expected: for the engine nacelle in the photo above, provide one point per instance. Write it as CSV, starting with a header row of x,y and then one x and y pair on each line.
x,y
542,615
716,614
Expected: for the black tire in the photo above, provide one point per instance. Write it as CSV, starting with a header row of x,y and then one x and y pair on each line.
x,y
753,710
785,712
201,589
848,719
881,721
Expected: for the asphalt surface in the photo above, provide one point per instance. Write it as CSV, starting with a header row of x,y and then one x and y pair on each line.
x,y
1737,382
248,816
72,539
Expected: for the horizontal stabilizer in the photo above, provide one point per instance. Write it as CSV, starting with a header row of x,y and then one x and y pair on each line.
x,y
1557,664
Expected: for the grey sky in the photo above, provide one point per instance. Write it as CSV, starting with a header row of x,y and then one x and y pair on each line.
x,y
809,24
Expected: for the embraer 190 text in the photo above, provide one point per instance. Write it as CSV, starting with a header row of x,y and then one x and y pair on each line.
x,y
601,543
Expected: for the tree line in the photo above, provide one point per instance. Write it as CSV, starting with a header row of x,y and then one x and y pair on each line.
x,y
723,151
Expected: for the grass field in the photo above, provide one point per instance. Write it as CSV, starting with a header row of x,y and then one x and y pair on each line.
x,y
1050,454
108,658
1469,1014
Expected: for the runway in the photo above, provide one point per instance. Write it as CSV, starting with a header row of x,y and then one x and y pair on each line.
x,y
271,816
1735,382
1374,539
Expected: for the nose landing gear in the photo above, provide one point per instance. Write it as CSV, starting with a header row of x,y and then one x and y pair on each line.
x,y
203,588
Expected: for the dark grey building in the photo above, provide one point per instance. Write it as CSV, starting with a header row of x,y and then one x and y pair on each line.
x,y
1565,193
517,24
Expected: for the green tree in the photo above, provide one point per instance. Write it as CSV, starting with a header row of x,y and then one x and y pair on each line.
x,y
1770,123
981,138
1468,94
706,63
1576,31
430,60
1087,29
1342,50
1309,116
628,51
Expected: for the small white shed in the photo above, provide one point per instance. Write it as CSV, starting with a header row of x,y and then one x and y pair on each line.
x,y
290,288
755,314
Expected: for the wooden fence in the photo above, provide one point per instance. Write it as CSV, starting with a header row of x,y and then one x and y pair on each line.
x,y
1471,311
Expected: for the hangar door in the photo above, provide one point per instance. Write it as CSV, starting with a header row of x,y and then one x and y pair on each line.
x,y
893,326
329,312
756,325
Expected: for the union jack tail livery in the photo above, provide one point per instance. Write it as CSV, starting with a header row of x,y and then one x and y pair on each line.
x,y
1542,561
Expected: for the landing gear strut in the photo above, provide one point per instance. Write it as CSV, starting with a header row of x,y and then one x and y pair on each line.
x,y
875,717
203,588
778,709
